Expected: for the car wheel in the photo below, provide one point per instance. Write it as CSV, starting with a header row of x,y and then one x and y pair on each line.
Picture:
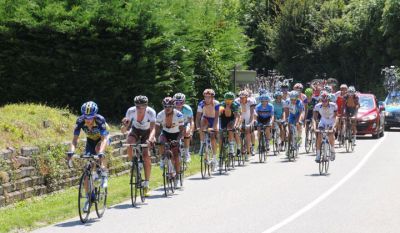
x,y
382,133
375,136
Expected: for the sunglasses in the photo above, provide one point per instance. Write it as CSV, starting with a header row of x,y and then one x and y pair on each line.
x,y
178,103
141,106
168,106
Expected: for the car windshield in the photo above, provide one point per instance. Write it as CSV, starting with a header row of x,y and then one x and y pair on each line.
x,y
366,102
393,100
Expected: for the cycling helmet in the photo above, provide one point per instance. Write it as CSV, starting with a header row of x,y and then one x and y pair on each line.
x,y
243,93
208,92
298,86
293,94
141,100
229,96
324,96
328,89
264,97
179,97
277,94
285,85
89,109
168,101
352,90
308,92
343,86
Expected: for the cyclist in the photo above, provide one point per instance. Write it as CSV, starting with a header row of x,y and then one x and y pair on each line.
x,y
327,111
278,114
206,118
95,127
299,87
265,116
285,91
139,122
230,119
247,106
340,104
351,106
253,132
311,102
171,121
294,112
187,112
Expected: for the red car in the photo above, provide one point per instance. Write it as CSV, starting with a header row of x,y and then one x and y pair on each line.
x,y
370,117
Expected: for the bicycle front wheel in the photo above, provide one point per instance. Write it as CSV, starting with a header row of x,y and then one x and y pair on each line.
x,y
101,201
84,198
133,183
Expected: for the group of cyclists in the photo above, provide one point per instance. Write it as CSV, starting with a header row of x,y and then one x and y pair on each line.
x,y
317,105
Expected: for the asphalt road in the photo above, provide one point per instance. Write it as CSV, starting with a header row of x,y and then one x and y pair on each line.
x,y
361,194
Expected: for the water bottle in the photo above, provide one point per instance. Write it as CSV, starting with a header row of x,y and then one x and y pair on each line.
x,y
93,196
140,165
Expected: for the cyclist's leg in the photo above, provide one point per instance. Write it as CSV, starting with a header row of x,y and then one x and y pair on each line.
x,y
253,136
187,138
144,136
231,137
133,137
161,148
203,126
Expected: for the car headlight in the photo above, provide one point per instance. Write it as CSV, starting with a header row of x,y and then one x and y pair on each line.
x,y
369,117
388,114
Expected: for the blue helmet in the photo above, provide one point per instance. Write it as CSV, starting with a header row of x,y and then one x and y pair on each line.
x,y
293,94
264,97
89,109
278,93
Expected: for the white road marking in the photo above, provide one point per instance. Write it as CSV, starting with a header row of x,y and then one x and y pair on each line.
x,y
326,194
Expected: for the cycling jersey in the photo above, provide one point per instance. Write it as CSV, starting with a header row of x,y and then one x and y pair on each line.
x,y
340,102
187,113
149,117
278,110
310,107
207,112
294,110
264,114
98,130
327,114
245,108
227,115
173,126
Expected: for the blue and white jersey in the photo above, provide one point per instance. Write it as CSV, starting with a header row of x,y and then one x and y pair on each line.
x,y
173,126
187,113
294,110
265,112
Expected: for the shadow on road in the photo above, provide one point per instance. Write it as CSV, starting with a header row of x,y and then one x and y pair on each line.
x,y
317,175
77,223
129,206
199,178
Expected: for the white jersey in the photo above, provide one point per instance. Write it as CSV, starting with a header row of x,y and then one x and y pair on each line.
x,y
149,117
177,120
328,112
245,108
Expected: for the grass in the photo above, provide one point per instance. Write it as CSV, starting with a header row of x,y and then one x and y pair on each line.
x,y
22,124
42,211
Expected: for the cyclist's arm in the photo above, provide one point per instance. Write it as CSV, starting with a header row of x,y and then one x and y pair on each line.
x,y
216,116
103,143
198,120
74,143
315,119
125,125
252,115
152,135
237,119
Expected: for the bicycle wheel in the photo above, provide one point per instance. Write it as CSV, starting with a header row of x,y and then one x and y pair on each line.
x,y
165,177
222,154
203,162
101,201
348,140
139,184
182,172
352,143
83,197
133,183
313,142
307,141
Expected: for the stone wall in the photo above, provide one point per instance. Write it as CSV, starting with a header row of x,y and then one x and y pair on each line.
x,y
28,182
